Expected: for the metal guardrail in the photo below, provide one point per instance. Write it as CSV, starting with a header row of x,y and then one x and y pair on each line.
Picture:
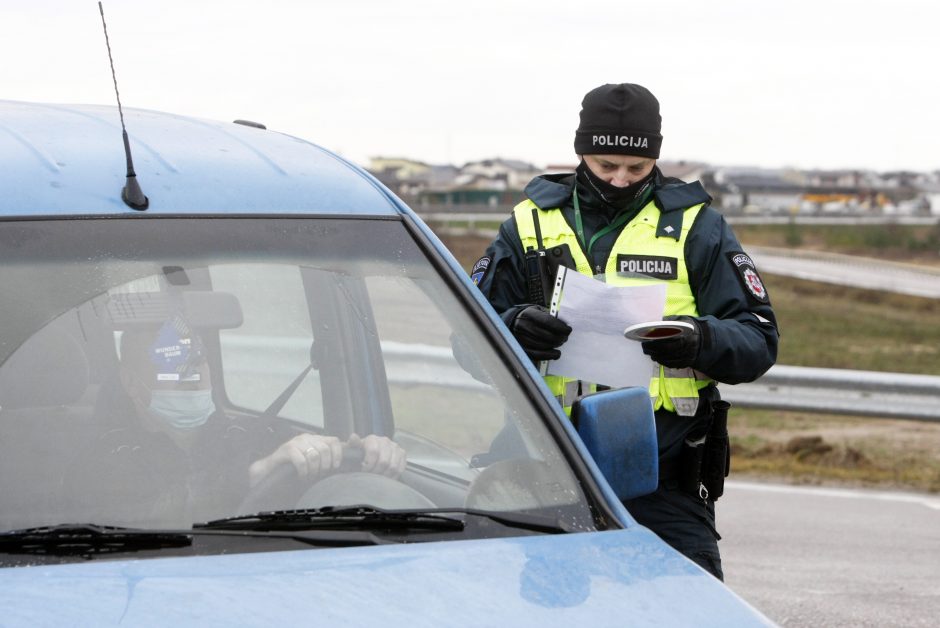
x,y
806,389
834,391
840,391
820,390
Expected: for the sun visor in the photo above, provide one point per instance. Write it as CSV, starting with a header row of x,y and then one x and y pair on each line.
x,y
201,309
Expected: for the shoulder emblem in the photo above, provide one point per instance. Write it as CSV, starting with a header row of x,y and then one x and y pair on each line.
x,y
479,269
750,279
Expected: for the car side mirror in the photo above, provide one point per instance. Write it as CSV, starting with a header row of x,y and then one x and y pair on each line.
x,y
618,428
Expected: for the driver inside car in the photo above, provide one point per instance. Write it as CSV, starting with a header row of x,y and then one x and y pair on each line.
x,y
168,454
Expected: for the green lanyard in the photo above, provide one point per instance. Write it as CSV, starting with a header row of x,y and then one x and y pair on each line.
x,y
618,222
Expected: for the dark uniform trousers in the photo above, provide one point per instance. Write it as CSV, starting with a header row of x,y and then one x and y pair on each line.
x,y
684,521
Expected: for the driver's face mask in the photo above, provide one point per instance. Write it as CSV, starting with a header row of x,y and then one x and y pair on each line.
x,y
181,409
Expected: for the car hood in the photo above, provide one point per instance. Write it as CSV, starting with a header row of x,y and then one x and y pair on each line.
x,y
607,578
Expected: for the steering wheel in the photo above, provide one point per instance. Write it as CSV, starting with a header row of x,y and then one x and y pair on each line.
x,y
347,486
364,489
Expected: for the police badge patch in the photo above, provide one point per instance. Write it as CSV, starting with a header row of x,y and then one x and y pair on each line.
x,y
747,271
479,270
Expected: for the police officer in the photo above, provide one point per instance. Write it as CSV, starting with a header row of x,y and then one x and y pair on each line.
x,y
621,220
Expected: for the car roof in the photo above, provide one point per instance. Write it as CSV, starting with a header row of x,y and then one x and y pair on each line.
x,y
69,160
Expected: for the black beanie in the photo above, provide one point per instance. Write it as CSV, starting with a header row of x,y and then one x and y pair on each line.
x,y
619,119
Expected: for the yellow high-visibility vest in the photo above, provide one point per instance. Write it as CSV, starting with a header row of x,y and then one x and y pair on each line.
x,y
637,247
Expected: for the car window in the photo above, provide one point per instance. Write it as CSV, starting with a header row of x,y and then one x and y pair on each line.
x,y
431,393
272,346
148,365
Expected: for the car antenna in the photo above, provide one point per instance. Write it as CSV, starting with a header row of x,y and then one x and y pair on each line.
x,y
131,194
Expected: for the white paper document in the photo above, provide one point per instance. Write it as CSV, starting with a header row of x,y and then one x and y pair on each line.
x,y
596,350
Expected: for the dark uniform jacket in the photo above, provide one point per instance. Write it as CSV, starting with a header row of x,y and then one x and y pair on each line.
x,y
740,330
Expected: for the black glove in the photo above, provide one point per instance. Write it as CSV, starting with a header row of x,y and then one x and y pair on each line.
x,y
539,333
676,353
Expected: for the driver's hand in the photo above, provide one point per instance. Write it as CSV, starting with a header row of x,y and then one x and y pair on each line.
x,y
382,455
311,455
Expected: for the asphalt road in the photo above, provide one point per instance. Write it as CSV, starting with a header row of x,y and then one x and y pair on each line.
x,y
809,556
849,270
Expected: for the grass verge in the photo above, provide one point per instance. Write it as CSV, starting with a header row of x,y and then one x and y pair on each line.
x,y
806,448
833,326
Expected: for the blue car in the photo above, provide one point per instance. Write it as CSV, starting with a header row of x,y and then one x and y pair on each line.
x,y
241,383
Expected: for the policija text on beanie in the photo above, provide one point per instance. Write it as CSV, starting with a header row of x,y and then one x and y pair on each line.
x,y
619,120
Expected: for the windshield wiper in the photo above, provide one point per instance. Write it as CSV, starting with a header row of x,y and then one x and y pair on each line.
x,y
371,518
330,517
88,539
523,521
355,525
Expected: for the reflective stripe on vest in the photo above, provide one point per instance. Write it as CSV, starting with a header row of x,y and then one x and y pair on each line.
x,y
676,390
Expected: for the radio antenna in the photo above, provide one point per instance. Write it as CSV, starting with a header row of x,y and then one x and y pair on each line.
x,y
132,195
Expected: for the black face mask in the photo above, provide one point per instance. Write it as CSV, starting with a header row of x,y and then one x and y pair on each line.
x,y
611,194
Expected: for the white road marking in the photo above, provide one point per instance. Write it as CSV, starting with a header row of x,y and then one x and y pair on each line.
x,y
911,498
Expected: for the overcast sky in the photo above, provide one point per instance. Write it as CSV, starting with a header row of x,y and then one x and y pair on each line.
x,y
808,84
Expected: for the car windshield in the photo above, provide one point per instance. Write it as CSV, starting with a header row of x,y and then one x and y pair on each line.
x,y
147,364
